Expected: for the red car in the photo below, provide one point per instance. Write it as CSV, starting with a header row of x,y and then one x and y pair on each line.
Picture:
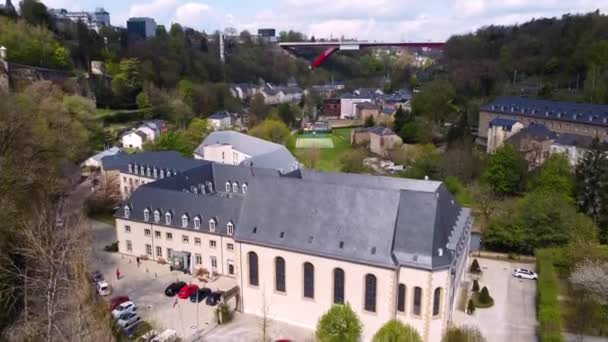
x,y
116,301
187,291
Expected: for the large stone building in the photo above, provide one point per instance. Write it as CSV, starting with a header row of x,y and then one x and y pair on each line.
x,y
392,248
561,117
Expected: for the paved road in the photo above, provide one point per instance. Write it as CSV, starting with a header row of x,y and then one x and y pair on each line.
x,y
513,316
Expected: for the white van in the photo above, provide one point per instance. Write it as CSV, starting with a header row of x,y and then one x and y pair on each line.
x,y
103,288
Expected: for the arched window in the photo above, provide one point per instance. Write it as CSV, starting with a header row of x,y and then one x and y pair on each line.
x,y
417,305
227,186
197,223
184,220
279,276
401,298
156,216
338,286
235,187
230,228
146,214
436,301
127,211
212,225
309,280
244,188
370,292
168,218
253,268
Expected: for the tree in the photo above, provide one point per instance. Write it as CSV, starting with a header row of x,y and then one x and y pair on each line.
x,y
463,334
475,269
142,100
339,323
352,161
470,307
425,162
197,131
395,331
286,114
435,101
35,13
258,107
484,296
369,121
475,285
127,82
401,118
592,186
556,176
271,130
505,171
592,277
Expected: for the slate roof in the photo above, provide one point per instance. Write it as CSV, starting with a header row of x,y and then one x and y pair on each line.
x,y
555,110
533,131
568,139
219,115
381,131
162,160
264,154
367,105
503,123
109,152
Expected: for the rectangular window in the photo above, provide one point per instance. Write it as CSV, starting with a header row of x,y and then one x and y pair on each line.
x,y
159,252
230,267
147,232
129,246
229,246
417,307
401,298
197,241
169,250
198,259
157,234
212,243
185,239
148,249
213,262
169,236
127,229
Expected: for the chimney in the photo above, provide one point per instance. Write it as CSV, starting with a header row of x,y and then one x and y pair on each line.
x,y
2,52
439,251
426,178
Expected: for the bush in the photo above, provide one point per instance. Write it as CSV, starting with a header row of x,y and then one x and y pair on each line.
x,y
223,314
111,248
339,323
475,286
471,307
475,269
483,299
394,330
463,334
548,309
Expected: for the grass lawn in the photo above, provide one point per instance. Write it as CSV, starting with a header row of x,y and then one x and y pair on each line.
x,y
329,157
105,218
100,113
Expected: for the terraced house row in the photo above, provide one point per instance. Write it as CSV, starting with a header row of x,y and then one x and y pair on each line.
x,y
390,247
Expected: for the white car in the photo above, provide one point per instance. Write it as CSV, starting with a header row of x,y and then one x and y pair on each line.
x,y
524,273
124,308
128,319
103,288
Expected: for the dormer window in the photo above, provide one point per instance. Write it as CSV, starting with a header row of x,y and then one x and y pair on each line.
x,y
162,174
212,225
227,186
148,172
235,187
197,223
156,216
142,171
127,211
168,173
136,169
168,218
244,188
230,228
130,168
184,220
195,190
146,214
155,173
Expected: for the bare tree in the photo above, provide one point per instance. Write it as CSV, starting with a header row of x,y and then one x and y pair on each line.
x,y
265,322
592,277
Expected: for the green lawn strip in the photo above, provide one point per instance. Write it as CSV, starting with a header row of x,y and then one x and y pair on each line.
x,y
548,306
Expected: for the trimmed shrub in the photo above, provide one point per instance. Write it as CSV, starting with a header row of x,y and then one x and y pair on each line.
x,y
339,323
548,309
471,307
463,334
483,299
223,314
475,269
475,286
394,330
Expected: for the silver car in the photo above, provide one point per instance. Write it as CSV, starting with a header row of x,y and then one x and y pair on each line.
x,y
525,274
128,319
124,308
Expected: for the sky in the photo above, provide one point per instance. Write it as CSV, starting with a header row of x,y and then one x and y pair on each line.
x,y
381,20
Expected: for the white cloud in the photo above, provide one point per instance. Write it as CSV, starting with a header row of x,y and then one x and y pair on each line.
x,y
195,15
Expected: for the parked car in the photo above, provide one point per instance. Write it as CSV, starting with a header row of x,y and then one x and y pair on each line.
x,y
96,276
525,274
187,291
213,298
173,288
116,301
165,336
200,295
124,308
103,288
128,319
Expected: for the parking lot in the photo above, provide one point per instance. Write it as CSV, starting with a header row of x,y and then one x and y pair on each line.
x,y
513,316
145,285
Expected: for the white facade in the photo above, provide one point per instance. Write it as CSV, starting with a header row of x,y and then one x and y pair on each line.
x,y
497,135
132,140
221,153
573,153
348,108
219,124
149,132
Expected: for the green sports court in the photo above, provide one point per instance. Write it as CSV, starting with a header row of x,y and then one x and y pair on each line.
x,y
316,142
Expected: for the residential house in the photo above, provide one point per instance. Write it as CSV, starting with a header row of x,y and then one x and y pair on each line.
x,y
534,143
134,139
149,130
367,109
379,140
393,248
331,107
348,104
220,120
234,148
573,146
500,130
95,160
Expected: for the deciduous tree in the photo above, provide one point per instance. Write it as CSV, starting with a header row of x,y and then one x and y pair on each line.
x,y
395,331
339,324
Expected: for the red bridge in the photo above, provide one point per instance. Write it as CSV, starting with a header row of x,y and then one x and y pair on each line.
x,y
332,47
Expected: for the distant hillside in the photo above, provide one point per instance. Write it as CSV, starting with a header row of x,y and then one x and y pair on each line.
x,y
558,57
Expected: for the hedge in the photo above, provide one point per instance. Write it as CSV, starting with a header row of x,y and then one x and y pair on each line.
x,y
548,309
